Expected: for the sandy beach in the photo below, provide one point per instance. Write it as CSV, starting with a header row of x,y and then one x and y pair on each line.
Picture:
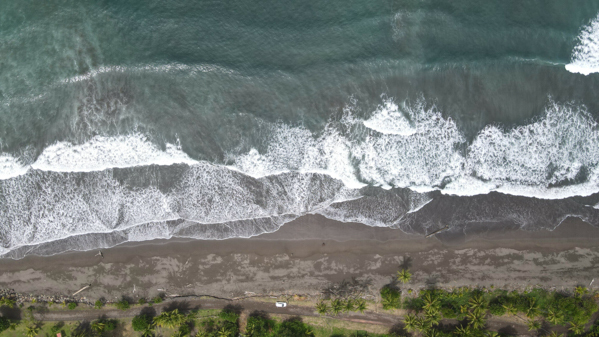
x,y
307,255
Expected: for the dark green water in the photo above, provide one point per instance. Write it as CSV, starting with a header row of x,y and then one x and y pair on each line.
x,y
132,120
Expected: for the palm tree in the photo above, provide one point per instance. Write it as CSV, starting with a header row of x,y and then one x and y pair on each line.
x,y
169,319
463,331
430,302
534,325
510,309
337,306
477,302
580,291
32,331
404,276
98,326
476,318
149,332
576,328
322,308
432,318
223,332
361,306
432,333
554,316
533,309
411,322
349,305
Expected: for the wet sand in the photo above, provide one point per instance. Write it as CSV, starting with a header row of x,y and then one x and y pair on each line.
x,y
306,255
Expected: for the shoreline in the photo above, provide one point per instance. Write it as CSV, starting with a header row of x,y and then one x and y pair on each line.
x,y
307,254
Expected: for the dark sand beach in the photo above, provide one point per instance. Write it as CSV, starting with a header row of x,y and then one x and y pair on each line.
x,y
305,255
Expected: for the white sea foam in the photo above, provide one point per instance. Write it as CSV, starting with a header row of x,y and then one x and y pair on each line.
x,y
11,167
420,159
553,157
295,149
551,151
585,56
389,119
414,146
108,152
149,68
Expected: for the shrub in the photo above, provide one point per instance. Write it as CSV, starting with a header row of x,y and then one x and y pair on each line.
x,y
157,299
496,309
72,305
99,304
123,304
110,324
294,327
449,312
141,322
259,326
4,323
142,301
391,298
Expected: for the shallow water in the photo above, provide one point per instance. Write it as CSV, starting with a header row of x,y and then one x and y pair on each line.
x,y
214,119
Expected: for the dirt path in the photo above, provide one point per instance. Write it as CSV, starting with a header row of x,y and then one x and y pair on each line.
x,y
248,306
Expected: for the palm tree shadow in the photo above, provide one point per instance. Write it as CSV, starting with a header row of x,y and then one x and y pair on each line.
x,y
398,329
182,306
235,308
11,313
406,262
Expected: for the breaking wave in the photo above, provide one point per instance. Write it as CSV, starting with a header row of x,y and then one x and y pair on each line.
x,y
414,146
585,56
392,167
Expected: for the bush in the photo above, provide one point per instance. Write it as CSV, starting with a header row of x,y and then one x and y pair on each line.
x,y
110,324
99,304
4,323
142,301
294,327
157,299
496,309
141,322
260,326
449,312
55,329
72,305
123,304
391,298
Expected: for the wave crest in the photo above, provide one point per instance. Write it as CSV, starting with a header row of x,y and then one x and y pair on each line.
x,y
585,55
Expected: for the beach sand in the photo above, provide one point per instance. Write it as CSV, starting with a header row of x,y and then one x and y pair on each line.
x,y
306,255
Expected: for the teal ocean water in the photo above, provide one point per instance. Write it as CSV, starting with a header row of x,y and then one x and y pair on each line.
x,y
135,120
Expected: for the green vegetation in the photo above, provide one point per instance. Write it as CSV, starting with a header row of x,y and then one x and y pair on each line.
x,y
4,323
404,276
4,301
260,325
391,298
473,306
170,319
72,305
157,299
141,322
99,304
122,304
225,325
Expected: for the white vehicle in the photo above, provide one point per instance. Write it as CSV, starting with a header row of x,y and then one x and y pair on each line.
x,y
281,304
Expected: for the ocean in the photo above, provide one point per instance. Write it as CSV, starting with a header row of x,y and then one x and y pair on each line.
x,y
137,120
